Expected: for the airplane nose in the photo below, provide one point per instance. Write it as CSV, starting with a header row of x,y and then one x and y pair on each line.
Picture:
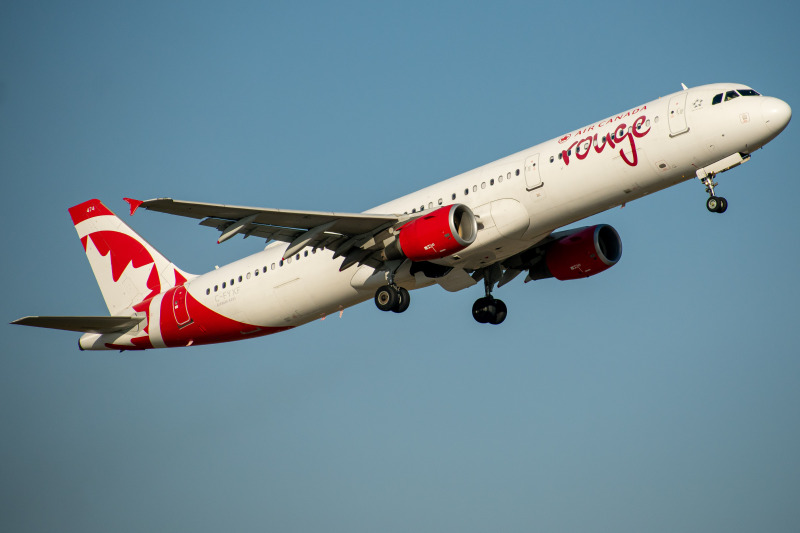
x,y
776,113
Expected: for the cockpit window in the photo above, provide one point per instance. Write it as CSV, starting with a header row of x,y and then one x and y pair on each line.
x,y
730,95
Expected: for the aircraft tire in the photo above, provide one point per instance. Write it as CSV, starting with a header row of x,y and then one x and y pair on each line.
x,y
716,204
386,298
483,309
500,312
403,300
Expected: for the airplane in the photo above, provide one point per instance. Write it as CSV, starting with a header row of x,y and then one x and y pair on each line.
x,y
487,225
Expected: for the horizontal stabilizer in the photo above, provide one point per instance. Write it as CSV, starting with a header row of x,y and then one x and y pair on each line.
x,y
84,324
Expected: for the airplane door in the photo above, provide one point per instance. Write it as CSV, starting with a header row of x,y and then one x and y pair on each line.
x,y
533,179
179,308
677,114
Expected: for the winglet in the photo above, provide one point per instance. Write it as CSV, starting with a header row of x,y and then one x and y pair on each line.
x,y
134,204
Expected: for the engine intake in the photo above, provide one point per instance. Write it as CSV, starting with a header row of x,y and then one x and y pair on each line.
x,y
438,234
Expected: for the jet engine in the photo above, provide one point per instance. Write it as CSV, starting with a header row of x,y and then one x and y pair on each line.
x,y
438,234
586,252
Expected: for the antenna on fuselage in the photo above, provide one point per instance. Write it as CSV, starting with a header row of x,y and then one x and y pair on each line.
x,y
685,88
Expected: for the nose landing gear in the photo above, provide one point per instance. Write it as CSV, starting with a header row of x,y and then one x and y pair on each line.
x,y
715,204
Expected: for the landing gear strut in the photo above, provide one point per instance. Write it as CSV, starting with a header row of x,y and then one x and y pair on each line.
x,y
715,204
489,310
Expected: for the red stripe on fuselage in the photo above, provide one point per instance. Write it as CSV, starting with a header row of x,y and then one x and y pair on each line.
x,y
206,326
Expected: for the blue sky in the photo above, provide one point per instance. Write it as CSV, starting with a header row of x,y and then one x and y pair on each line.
x,y
658,396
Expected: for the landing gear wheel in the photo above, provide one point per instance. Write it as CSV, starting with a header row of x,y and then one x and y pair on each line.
x,y
483,309
717,204
387,298
403,300
488,310
500,312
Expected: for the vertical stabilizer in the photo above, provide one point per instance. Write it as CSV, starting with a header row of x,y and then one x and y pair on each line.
x,y
127,268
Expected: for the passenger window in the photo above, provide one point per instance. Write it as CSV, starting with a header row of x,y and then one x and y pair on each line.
x,y
256,273
414,210
280,263
223,284
508,176
499,179
240,277
421,208
717,99
231,283
440,201
216,287
517,173
305,254
466,192
474,188
208,291
730,95
272,267
491,181
454,196
551,158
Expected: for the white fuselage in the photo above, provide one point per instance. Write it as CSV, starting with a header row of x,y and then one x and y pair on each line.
x,y
518,200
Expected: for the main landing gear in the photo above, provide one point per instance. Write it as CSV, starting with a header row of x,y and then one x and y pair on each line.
x,y
392,298
715,204
489,310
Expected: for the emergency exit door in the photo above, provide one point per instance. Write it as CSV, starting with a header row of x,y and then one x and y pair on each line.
x,y
533,178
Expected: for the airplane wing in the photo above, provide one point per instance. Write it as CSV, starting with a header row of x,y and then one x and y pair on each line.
x,y
356,236
84,324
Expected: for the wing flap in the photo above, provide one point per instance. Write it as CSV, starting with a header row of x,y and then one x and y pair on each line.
x,y
83,324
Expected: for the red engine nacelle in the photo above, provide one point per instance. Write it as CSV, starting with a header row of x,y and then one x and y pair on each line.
x,y
585,253
436,235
